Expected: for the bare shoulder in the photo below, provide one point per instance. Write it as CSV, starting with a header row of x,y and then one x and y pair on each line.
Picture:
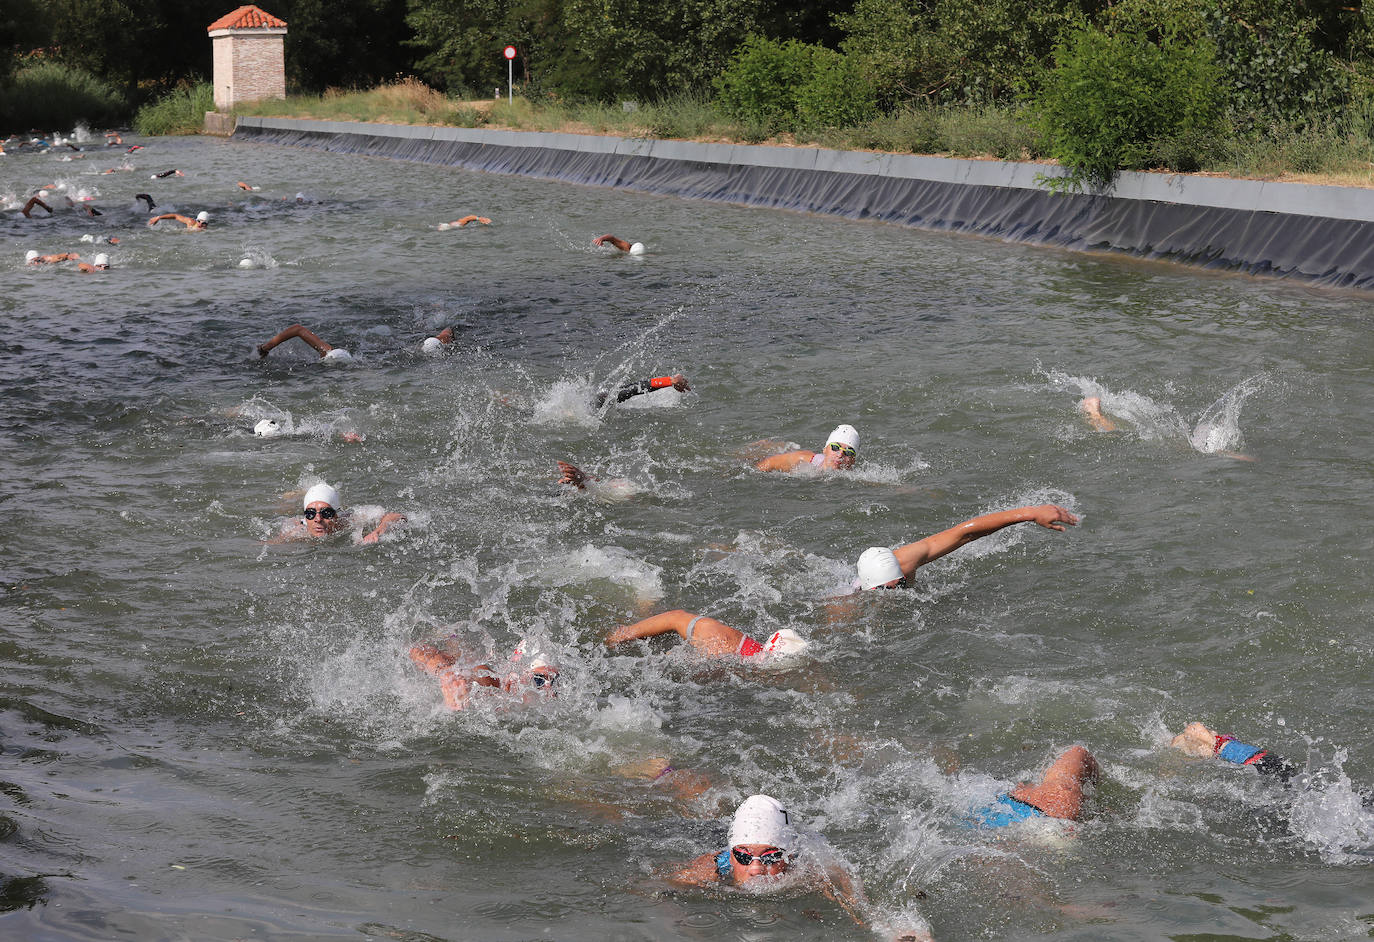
x,y
700,871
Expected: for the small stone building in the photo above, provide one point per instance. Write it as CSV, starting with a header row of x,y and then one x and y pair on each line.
x,y
250,63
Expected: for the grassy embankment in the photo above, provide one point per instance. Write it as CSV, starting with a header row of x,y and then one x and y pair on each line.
x,y
1315,155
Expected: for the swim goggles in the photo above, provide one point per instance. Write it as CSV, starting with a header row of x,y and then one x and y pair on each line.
x,y
541,681
325,513
845,450
769,858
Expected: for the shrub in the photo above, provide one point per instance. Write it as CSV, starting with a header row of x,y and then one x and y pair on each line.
x,y
793,86
1110,96
180,111
50,96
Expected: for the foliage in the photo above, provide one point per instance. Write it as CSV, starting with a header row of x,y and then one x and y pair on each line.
x,y
794,86
349,43
952,50
24,27
408,101
1111,94
180,111
49,95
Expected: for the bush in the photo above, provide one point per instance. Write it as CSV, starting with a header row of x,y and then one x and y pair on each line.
x,y
794,86
1110,96
180,111
50,96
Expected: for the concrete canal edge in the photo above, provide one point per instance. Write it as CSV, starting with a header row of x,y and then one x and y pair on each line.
x,y
1320,234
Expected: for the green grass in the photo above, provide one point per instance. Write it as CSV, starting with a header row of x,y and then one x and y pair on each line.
x,y
1341,150
180,111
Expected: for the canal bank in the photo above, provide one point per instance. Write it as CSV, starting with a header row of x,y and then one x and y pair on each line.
x,y
1322,234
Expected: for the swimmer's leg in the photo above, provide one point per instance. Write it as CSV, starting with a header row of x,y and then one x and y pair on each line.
x,y
1060,792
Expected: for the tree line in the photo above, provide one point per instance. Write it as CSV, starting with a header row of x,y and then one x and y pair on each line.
x,y
1106,83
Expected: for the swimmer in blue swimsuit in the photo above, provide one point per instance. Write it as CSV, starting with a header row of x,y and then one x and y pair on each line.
x,y
1059,794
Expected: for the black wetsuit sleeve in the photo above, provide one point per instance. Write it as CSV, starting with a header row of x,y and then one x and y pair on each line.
x,y
628,391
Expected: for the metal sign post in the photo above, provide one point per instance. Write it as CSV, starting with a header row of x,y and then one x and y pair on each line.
x,y
510,73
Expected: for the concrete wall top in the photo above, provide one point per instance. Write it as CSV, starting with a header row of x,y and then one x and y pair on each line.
x,y
1301,199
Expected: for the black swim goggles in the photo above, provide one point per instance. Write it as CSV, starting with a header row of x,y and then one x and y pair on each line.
x,y
844,450
769,858
325,513
541,681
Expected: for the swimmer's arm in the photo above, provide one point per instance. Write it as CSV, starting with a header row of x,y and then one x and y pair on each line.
x,y
617,242
630,390
701,871
1200,742
388,520
912,556
430,659
787,461
650,627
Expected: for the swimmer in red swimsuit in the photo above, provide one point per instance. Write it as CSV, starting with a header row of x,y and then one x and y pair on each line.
x,y
531,677
840,453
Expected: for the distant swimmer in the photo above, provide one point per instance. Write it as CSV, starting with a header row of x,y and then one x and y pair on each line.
x,y
709,636
202,219
437,343
460,223
615,489
167,173
322,515
1058,794
134,148
34,201
640,387
246,187
85,206
636,248
1200,742
112,139
883,568
325,350
99,239
31,257
529,676
1091,406
766,848
840,452
100,263
146,199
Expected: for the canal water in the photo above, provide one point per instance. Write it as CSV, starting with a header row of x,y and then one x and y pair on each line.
x,y
206,733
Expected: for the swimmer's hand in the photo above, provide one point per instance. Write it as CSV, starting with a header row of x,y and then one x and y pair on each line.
x,y
1052,517
388,519
572,475
1196,740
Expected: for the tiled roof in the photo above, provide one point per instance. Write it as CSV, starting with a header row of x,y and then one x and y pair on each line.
x,y
249,17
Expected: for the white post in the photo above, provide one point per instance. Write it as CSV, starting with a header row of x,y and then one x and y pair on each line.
x,y
510,81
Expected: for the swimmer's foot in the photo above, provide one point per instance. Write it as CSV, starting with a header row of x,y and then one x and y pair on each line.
x,y
1091,406
572,475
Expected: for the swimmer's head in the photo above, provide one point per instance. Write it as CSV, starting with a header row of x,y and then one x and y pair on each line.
x,y
245,262
320,493
432,345
30,255
637,248
202,216
845,435
878,568
785,643
763,820
268,428
535,672
444,226
101,261
339,354
321,510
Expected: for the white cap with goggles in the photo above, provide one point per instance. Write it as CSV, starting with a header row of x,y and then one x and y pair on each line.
x,y
322,492
845,435
761,819
878,566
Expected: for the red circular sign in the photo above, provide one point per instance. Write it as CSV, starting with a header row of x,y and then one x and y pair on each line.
x,y
510,52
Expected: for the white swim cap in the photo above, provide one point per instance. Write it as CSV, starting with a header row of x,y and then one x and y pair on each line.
x,y
878,566
432,345
30,255
762,820
202,216
444,226
101,259
637,248
88,238
845,435
338,353
245,262
268,428
321,492
784,643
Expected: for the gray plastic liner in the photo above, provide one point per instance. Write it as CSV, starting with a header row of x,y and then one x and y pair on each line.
x,y
1293,243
